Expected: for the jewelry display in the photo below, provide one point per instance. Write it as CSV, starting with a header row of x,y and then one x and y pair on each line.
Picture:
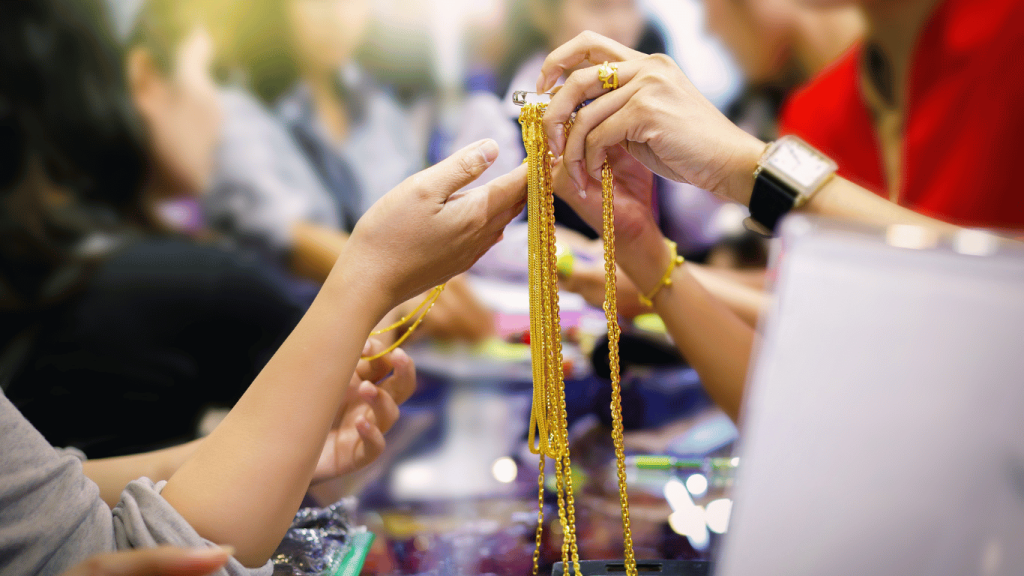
x,y
548,432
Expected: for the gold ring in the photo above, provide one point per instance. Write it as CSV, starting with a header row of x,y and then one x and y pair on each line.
x,y
608,74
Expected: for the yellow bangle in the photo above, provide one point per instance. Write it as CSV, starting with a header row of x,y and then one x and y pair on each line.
x,y
666,280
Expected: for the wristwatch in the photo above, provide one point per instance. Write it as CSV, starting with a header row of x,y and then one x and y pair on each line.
x,y
788,174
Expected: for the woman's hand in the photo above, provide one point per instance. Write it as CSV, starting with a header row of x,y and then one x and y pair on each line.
x,y
425,231
588,281
370,409
457,314
163,561
640,250
656,113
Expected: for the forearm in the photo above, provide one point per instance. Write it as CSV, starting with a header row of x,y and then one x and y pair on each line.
x,y
315,250
113,474
838,198
744,301
233,494
714,340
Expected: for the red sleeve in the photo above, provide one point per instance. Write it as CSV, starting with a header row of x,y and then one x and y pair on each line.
x,y
829,114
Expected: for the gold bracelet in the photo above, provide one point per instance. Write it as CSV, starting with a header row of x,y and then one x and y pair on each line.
x,y
666,280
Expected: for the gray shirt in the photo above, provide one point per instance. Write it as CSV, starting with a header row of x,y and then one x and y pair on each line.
x,y
52,517
268,179
264,183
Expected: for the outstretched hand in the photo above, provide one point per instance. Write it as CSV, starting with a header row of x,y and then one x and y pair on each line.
x,y
428,228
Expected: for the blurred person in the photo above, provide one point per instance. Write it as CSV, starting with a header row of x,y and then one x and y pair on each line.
x,y
111,320
926,110
783,43
657,122
779,45
242,485
321,142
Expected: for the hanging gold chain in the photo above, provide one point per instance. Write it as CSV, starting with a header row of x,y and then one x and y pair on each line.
x,y
548,432
612,316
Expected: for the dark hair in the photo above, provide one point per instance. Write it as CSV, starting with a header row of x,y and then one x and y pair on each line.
x,y
67,128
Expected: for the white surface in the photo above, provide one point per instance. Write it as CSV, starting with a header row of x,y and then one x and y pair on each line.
x,y
884,432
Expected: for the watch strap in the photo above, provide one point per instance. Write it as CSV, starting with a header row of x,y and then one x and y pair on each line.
x,y
770,200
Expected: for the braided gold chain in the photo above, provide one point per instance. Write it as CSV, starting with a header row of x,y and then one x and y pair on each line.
x,y
548,432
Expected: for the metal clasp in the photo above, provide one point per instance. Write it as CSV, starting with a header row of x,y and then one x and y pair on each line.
x,y
519,96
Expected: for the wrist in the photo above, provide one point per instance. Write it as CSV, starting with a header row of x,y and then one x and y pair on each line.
x,y
738,182
647,260
351,282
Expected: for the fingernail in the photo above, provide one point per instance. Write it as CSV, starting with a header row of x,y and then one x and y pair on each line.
x,y
578,176
488,150
368,390
580,190
367,348
398,355
542,83
362,424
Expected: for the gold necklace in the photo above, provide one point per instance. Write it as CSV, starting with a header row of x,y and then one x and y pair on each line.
x,y
548,432
419,313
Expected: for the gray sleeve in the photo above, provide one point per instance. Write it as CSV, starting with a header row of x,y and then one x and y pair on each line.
x,y
264,183
143,519
52,517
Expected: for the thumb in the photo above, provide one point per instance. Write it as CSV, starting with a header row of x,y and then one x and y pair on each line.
x,y
458,170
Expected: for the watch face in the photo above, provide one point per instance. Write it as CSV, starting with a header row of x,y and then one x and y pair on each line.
x,y
799,163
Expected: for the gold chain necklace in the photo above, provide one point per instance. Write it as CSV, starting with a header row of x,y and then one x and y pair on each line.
x,y
549,436
419,313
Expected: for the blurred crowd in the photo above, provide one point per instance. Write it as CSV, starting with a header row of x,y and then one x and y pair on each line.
x,y
179,177
201,163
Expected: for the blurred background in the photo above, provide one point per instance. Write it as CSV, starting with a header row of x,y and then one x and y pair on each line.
x,y
198,165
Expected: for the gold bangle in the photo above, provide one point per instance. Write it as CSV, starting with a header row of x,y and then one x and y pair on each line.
x,y
666,280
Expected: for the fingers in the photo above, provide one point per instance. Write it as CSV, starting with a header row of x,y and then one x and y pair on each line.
x,y
163,561
373,439
609,133
456,171
502,198
373,370
402,383
586,205
588,282
588,118
586,47
384,410
581,86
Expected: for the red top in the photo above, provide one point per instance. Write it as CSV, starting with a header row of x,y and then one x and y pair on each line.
x,y
963,146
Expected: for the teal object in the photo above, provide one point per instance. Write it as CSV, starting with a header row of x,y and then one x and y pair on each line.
x,y
349,560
